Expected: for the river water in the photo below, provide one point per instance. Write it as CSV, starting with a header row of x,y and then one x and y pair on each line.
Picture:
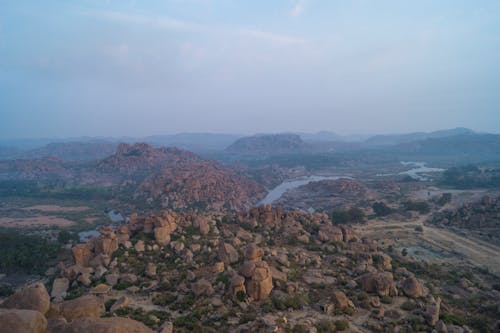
x,y
278,191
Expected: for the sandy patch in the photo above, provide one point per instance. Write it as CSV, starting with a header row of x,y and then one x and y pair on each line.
x,y
56,208
35,221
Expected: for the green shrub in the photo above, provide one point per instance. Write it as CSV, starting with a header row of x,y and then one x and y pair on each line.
x,y
386,299
325,326
341,324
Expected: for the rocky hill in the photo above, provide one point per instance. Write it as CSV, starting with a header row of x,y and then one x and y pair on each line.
x,y
269,144
262,270
179,179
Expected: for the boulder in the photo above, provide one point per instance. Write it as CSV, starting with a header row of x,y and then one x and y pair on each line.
x,y
202,223
139,246
228,254
341,301
59,288
162,235
432,311
237,285
85,306
151,270
260,285
103,325
22,321
82,253
381,283
412,287
122,302
34,297
167,327
253,252
105,245
202,287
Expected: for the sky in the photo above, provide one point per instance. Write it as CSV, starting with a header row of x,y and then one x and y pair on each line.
x,y
149,67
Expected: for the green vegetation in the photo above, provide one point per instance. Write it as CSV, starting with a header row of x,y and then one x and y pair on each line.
x,y
418,206
349,216
471,176
381,209
25,253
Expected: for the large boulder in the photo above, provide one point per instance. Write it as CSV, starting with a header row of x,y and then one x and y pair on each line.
x,y
22,321
253,252
412,287
432,311
83,253
260,284
381,283
202,287
202,224
162,235
59,288
228,254
85,306
34,297
102,325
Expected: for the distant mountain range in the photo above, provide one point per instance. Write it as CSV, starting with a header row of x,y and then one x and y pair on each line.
x,y
211,144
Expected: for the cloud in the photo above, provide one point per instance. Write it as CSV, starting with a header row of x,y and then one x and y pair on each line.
x,y
298,9
271,37
160,22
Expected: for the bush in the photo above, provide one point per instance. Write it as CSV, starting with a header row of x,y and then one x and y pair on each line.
x,y
341,324
26,254
419,228
386,299
381,209
352,215
6,290
325,326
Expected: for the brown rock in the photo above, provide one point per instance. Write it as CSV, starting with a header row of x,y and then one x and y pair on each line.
x,y
432,312
381,283
151,269
83,253
340,300
103,325
260,285
105,245
34,297
202,287
237,285
22,321
202,223
122,302
228,254
412,287
253,252
85,306
139,246
59,288
162,235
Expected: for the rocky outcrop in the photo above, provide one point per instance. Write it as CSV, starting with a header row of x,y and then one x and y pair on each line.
x,y
432,311
228,254
381,283
59,288
85,306
258,276
412,287
33,297
22,321
101,325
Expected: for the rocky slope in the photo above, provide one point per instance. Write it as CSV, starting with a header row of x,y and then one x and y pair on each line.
x,y
179,179
262,270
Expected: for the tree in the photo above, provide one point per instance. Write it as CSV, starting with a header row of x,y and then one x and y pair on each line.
x,y
381,209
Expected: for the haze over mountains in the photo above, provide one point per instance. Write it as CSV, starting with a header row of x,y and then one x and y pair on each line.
x,y
458,140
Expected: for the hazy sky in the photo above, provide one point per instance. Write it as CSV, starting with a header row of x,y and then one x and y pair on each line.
x,y
71,68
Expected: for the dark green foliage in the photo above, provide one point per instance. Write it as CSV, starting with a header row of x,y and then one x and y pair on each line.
x,y
164,299
141,315
109,303
444,199
325,326
419,228
6,290
349,216
471,176
450,318
65,236
341,325
381,209
299,328
122,285
241,296
418,206
25,254
386,299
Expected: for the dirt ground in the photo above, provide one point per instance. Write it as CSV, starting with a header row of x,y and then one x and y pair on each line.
x,y
56,208
434,244
34,221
